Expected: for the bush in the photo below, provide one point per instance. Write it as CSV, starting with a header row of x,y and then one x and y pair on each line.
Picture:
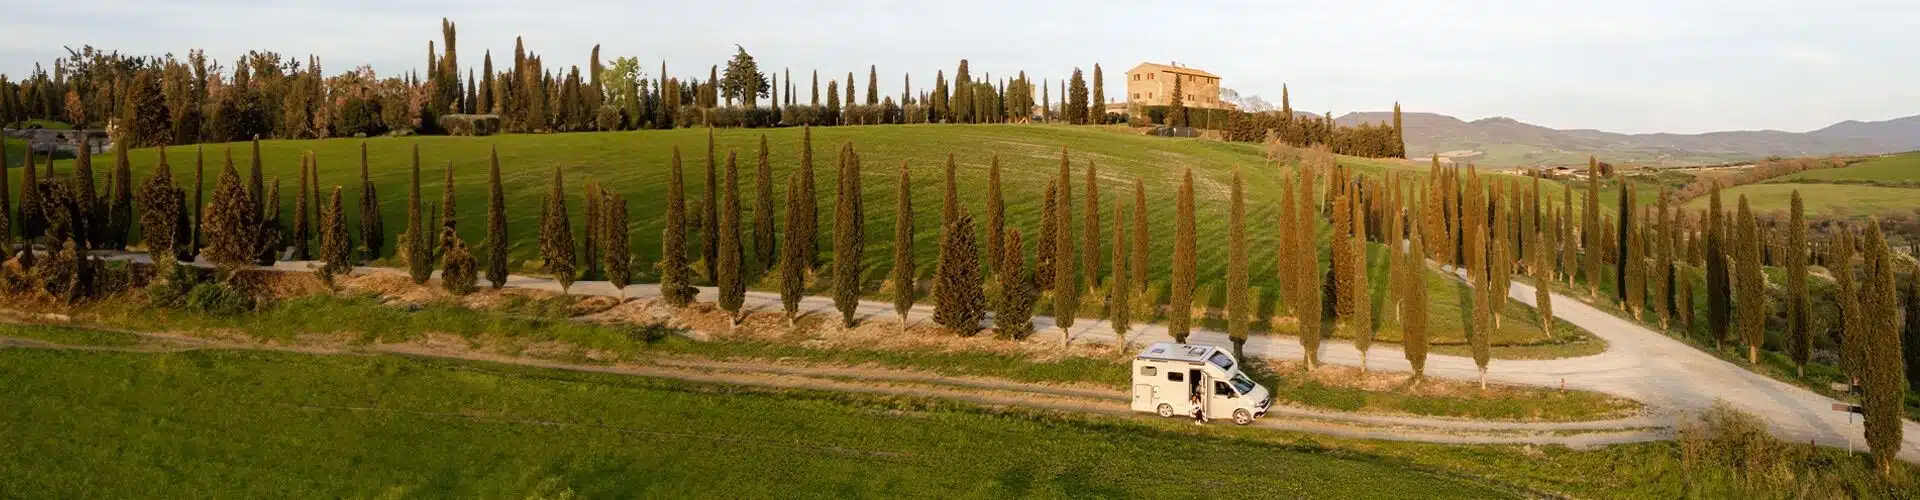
x,y
359,117
607,118
218,299
801,114
473,125
863,114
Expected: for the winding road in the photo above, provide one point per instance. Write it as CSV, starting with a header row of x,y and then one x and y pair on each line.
x,y
1672,378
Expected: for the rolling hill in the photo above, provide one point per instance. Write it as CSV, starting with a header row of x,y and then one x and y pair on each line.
x,y
1506,141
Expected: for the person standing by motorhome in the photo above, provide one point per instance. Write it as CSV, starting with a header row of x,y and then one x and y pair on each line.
x,y
1199,413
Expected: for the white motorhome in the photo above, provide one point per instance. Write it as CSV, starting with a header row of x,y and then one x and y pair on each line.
x,y
1169,377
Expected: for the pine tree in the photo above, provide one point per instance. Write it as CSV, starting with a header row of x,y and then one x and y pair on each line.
x,y
1413,323
1120,287
1090,252
302,219
903,266
1237,302
1066,278
793,253
372,231
710,215
556,234
231,222
335,247
849,237
733,285
1751,285
1799,306
617,256
959,303
1184,234
1043,249
763,250
1013,316
1719,298
1882,392
419,248
996,218
496,223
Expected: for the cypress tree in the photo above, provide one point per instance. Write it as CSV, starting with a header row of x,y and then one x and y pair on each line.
x,y
448,232
1569,245
1910,334
1751,285
373,234
1308,285
335,247
161,201
1635,280
119,204
1882,392
1799,306
959,303
849,236
710,215
763,250
556,234
951,208
1120,287
1139,253
793,254
1626,253
1683,304
80,183
903,266
33,218
618,256
733,286
807,228
496,223
996,218
419,251
302,219
1542,269
1362,320
1013,318
1413,323
1719,298
1590,228
256,180
590,237
6,201
199,204
231,222
1090,254
1343,249
270,231
1183,262
1287,253
1066,280
1237,313
1662,275
1043,250
1846,298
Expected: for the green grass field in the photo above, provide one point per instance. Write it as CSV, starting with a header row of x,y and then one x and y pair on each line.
x,y
1820,199
635,164
1895,168
228,424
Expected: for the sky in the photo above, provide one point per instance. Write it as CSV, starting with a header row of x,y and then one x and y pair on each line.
x,y
1634,66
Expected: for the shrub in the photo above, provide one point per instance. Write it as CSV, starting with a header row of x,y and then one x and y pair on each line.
x,y
218,299
476,125
461,271
607,118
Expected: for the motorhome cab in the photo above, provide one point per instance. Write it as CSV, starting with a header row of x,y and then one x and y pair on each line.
x,y
1168,377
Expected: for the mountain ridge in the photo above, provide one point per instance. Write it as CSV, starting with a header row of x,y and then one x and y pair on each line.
x,y
1505,141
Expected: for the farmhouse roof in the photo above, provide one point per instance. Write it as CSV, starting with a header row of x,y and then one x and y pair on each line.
x,y
1147,66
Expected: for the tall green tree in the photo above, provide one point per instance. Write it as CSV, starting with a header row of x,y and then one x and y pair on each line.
x,y
1882,391
373,234
1178,318
80,184
1799,305
1542,269
617,255
302,218
419,249
269,234
763,251
1043,249
335,244
1750,285
1090,253
903,266
849,236
590,231
161,202
1097,112
1066,280
710,215
556,234
1846,298
1237,302
33,217
1308,282
959,302
1626,252
119,201
1590,228
1120,287
793,253
232,220
1413,322
733,285
1719,298
448,232
1362,320
496,223
1140,236
807,227
996,218
1013,317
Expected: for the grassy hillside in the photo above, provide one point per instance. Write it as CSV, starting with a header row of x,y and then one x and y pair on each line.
x,y
635,164
1819,199
253,425
1899,169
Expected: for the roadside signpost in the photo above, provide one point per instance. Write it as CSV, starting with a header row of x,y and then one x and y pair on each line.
x,y
1849,408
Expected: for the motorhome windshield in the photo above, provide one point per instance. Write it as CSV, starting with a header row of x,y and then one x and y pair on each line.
x,y
1242,383
1222,360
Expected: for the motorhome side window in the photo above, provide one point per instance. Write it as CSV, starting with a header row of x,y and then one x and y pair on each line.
x,y
1221,360
1221,389
1175,377
1148,371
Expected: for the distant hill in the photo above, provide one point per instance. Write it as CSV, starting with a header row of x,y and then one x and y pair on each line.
x,y
1506,141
